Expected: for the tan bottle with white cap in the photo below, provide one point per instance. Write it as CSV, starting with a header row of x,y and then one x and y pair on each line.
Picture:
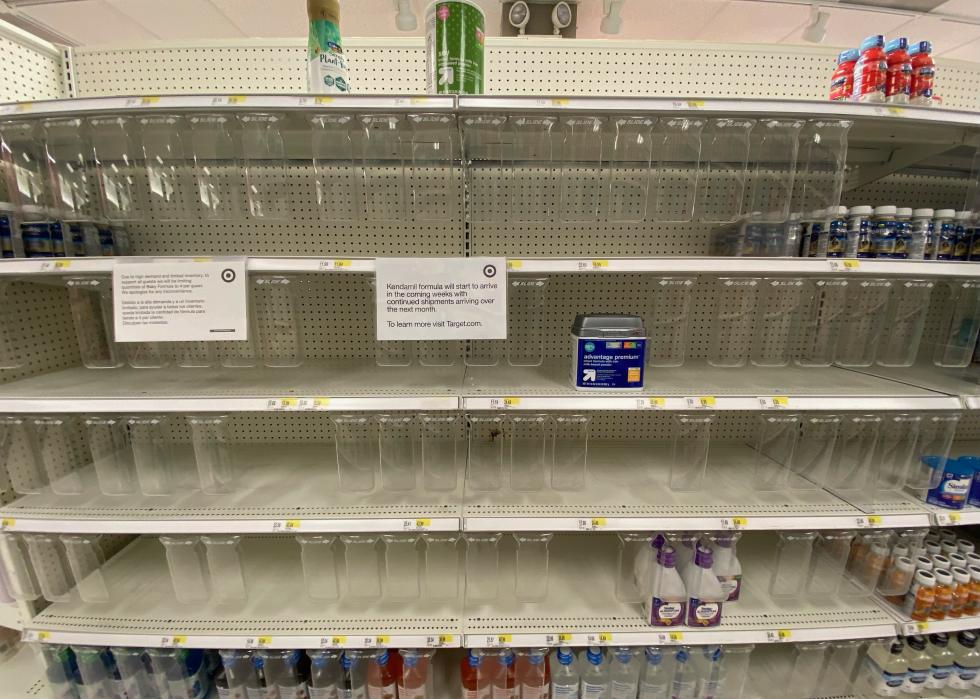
x,y
327,67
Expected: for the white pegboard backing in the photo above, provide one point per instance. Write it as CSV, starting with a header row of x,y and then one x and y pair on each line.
x,y
912,190
40,329
389,66
533,65
32,69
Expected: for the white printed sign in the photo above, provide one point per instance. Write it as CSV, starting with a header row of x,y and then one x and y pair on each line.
x,y
440,298
183,300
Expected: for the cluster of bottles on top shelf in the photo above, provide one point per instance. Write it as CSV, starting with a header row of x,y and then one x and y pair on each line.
x,y
87,672
859,232
895,72
387,167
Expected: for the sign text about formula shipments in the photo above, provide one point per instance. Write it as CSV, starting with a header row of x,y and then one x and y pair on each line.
x,y
180,300
439,298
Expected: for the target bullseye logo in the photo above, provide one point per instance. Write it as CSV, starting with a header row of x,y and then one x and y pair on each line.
x,y
490,271
228,275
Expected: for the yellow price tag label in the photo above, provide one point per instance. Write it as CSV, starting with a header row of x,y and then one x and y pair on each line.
x,y
338,640
423,523
605,637
598,522
236,99
780,401
287,403
675,636
7,523
25,106
512,401
740,521
922,626
323,100
600,264
62,264
515,264
292,524
784,634
320,403
504,638
146,101
382,640
343,264
560,102
852,264
656,402
446,638
695,104
43,635
564,638
700,402
874,520
177,641
201,259
896,111
264,641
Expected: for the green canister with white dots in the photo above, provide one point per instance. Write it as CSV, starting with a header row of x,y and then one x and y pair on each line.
x,y
454,39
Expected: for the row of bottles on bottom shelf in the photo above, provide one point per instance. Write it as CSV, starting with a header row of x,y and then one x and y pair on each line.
x,y
88,672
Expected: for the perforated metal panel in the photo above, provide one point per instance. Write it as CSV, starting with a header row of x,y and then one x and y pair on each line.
x,y
31,70
529,66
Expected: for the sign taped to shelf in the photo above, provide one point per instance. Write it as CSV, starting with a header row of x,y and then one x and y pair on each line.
x,y
452,298
183,300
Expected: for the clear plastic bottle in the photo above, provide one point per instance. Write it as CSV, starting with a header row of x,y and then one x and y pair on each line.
x,y
684,683
707,661
727,567
326,676
475,683
966,665
942,663
415,681
624,673
885,669
564,674
704,593
381,680
533,673
961,591
943,600
654,680
923,74
667,601
914,246
859,238
885,234
924,230
871,71
504,676
919,665
595,674
945,231
961,251
898,83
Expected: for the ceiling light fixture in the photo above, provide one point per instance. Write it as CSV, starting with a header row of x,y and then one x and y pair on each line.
x,y
816,30
405,20
611,21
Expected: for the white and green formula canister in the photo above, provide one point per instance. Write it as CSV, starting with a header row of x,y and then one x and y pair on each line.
x,y
326,64
454,42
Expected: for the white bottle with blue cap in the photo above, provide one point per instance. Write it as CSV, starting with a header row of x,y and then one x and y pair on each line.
x,y
595,675
654,679
564,674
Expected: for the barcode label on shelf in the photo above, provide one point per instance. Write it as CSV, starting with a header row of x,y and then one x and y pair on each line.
x,y
869,521
586,265
297,404
142,101
499,641
779,636
333,641
507,402
173,641
947,518
774,402
599,639
258,642
32,636
734,522
700,402
54,265
416,525
911,628
7,523
439,641
844,265
515,264
591,524
326,265
652,403
286,525
671,637
554,639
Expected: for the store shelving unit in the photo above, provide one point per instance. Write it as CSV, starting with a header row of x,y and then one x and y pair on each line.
x,y
287,487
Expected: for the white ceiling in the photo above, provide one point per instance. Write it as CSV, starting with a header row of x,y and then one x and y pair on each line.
x,y
89,22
